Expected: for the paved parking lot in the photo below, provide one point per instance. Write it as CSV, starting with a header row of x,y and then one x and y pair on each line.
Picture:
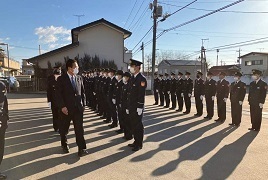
x,y
176,146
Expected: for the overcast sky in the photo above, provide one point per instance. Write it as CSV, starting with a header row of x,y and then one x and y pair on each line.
x,y
26,24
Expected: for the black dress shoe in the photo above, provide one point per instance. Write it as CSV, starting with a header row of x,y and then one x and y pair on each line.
x,y
237,125
136,148
186,112
161,105
179,110
113,125
119,131
65,149
2,176
198,115
103,117
231,124
206,117
155,104
218,120
128,138
172,108
82,153
251,129
131,145
256,129
166,106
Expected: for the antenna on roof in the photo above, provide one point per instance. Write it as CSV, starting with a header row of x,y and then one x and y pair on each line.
x,y
79,16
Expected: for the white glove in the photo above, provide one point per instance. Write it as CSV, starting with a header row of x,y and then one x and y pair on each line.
x,y
127,111
189,95
139,111
49,104
181,94
114,101
94,93
240,103
156,91
168,92
225,99
201,97
0,124
120,105
261,105
213,98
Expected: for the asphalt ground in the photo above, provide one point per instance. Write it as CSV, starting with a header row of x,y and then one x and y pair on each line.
x,y
176,146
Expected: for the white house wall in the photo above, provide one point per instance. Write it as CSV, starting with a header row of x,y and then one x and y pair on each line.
x,y
248,69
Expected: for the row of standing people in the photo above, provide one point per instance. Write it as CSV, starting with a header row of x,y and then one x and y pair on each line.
x,y
178,91
116,96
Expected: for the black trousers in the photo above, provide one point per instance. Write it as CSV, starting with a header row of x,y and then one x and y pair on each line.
x,y
2,143
120,118
56,117
180,101
173,99
156,98
256,116
162,99
236,112
210,106
187,100
111,111
77,117
137,127
198,104
221,105
167,98
127,122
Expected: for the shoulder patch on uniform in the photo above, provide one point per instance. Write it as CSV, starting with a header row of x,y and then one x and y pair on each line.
x,y
143,83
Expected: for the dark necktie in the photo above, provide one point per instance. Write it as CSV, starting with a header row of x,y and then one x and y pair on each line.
x,y
73,83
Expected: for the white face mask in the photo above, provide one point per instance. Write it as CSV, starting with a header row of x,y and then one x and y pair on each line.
x,y
254,77
117,78
110,74
172,77
132,70
186,76
236,78
208,78
91,74
76,71
124,80
179,77
105,74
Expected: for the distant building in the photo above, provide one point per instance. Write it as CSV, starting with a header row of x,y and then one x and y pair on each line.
x,y
254,60
228,69
168,66
14,66
101,38
27,68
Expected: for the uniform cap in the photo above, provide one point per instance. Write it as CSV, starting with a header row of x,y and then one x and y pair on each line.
x,y
120,72
127,74
238,74
160,75
155,73
180,73
199,73
166,74
187,73
222,73
111,70
256,71
172,73
210,74
134,62
57,67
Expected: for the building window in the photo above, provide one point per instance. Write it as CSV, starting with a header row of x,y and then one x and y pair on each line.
x,y
248,63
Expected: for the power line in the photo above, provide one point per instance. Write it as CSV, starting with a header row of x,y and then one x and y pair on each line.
x,y
130,12
209,10
136,13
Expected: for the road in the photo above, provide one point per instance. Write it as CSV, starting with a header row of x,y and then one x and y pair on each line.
x,y
176,146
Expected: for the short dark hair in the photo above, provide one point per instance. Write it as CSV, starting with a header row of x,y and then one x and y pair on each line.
x,y
70,63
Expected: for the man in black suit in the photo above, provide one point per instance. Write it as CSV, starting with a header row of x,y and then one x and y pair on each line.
x,y
237,95
256,99
3,122
156,89
222,96
210,92
71,100
166,89
199,93
188,90
110,94
51,96
138,84
179,91
160,90
173,83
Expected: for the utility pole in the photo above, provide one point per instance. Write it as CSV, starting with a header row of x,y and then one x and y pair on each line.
x,y
238,59
203,60
39,50
155,16
79,16
142,48
218,56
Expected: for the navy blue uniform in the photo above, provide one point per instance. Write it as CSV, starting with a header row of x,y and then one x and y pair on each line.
x,y
199,89
173,83
179,93
222,93
188,89
156,90
210,92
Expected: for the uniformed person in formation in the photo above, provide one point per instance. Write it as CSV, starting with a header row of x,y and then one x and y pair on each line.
x,y
179,91
110,94
188,90
256,98
166,89
124,105
156,89
199,93
3,122
173,83
210,92
222,96
138,84
51,96
160,90
237,95
117,99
